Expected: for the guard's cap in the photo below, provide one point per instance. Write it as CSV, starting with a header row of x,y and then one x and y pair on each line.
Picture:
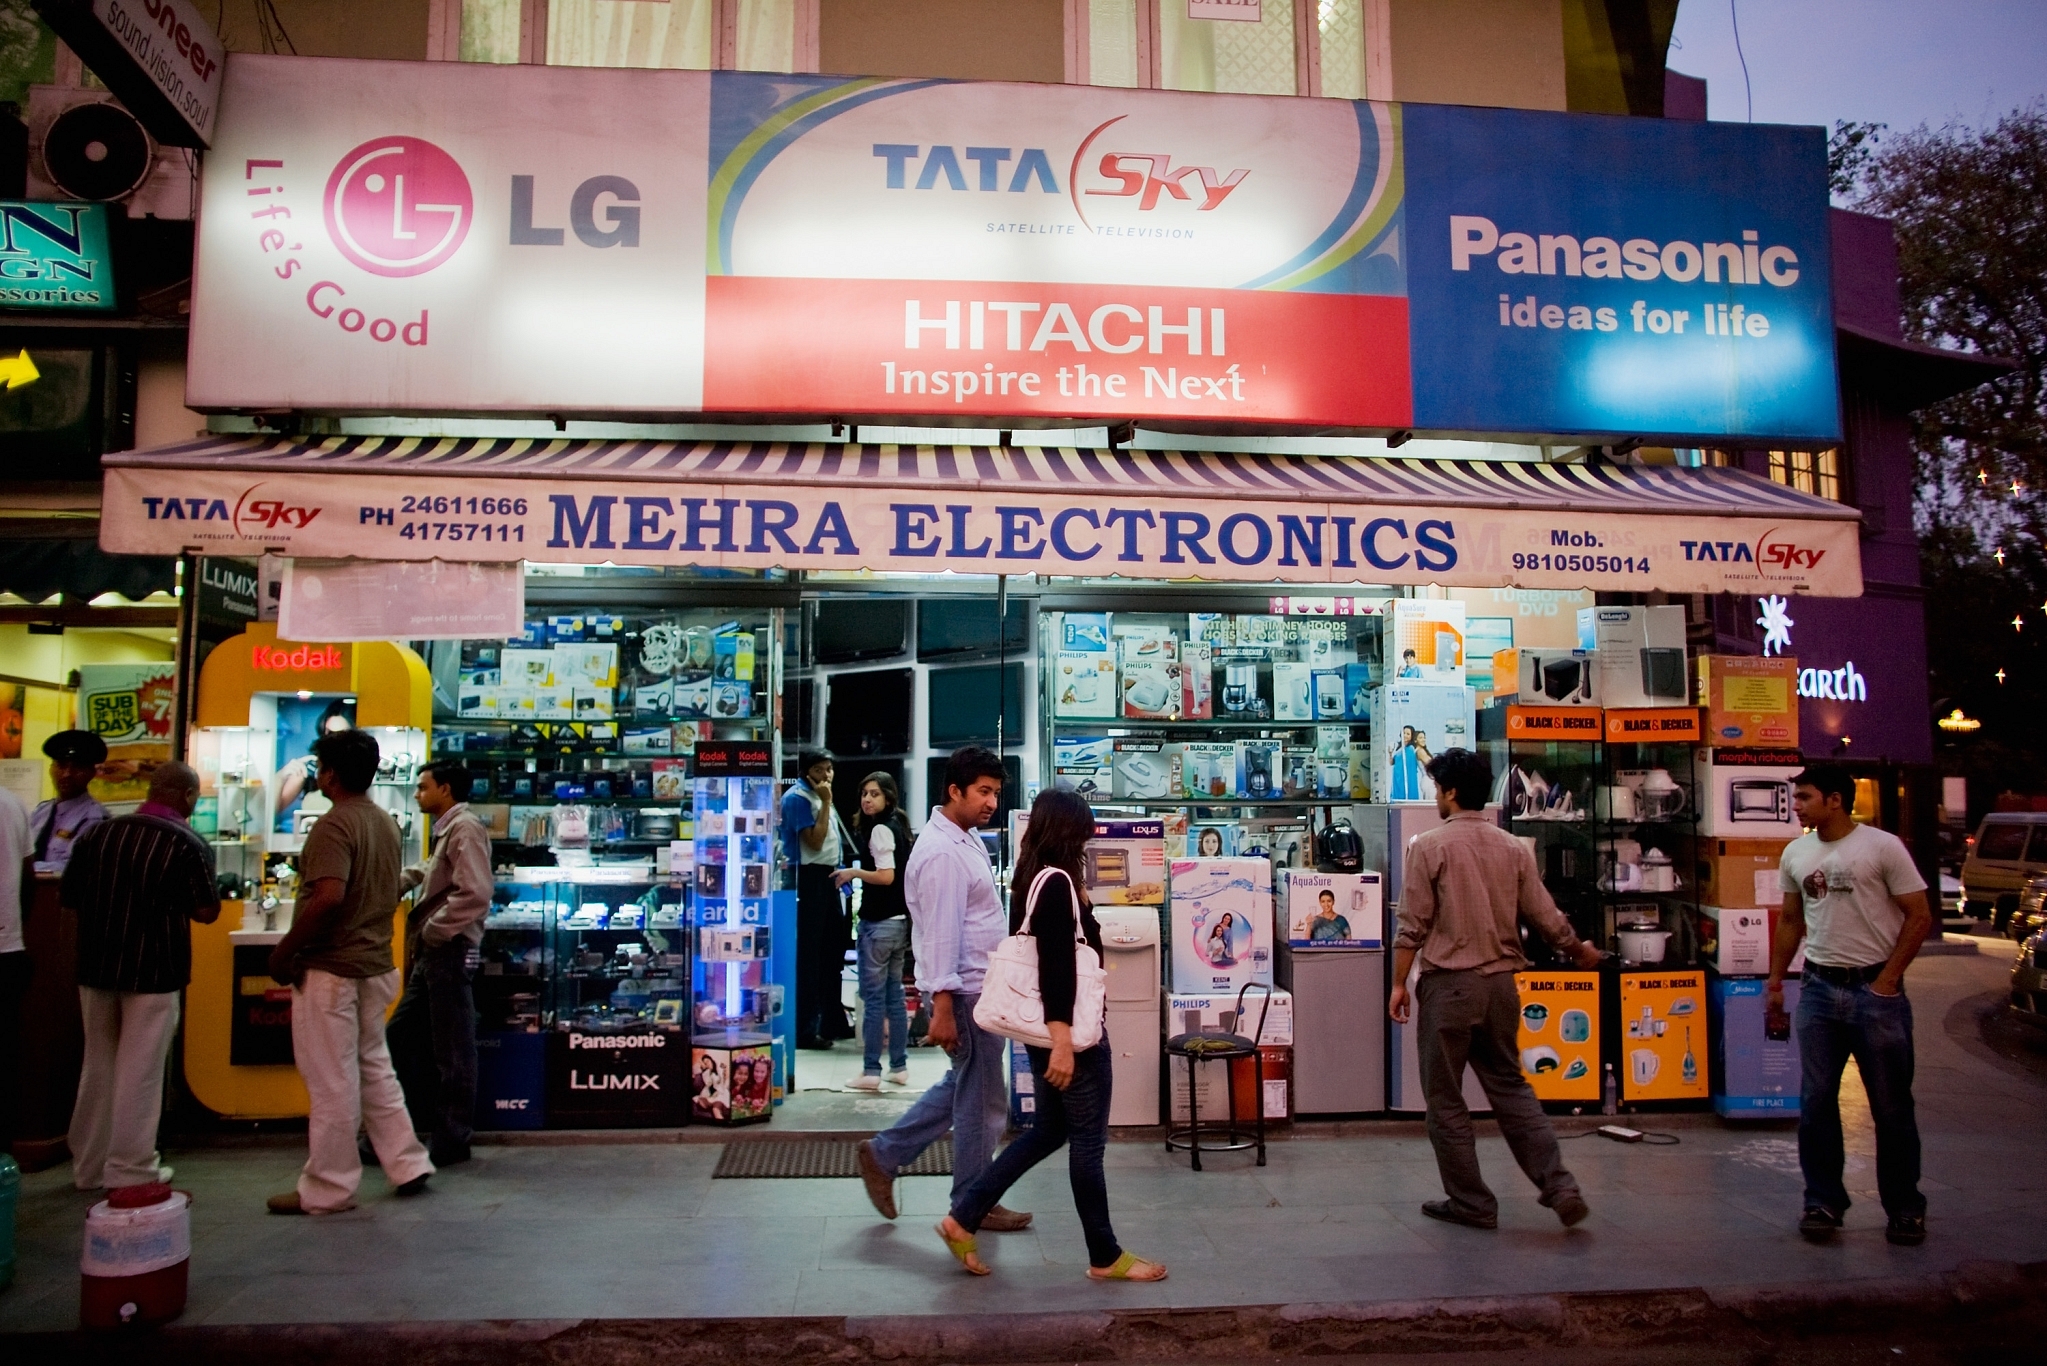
x,y
76,747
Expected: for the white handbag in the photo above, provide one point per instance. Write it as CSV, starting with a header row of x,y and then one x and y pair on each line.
x,y
1010,1004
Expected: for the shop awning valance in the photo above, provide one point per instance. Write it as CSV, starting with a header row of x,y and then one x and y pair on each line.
x,y
1043,510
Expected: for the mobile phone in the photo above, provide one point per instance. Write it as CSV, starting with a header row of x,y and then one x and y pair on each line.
x,y
1777,1028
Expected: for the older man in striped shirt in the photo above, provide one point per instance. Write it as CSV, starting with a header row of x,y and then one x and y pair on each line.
x,y
134,885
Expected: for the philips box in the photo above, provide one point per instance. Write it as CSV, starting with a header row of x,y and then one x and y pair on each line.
x,y
1334,910
1084,685
1639,654
1187,1012
1125,864
1411,724
1222,924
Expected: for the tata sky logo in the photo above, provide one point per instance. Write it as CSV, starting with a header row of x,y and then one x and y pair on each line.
x,y
398,206
1772,556
249,517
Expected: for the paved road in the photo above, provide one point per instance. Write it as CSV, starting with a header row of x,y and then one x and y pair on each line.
x,y
633,1231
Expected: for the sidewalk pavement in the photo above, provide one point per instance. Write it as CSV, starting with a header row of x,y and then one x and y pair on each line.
x,y
637,1230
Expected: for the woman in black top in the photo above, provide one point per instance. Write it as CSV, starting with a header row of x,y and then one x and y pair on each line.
x,y
1072,1088
881,847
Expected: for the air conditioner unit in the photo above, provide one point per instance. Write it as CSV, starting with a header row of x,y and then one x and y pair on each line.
x,y
83,144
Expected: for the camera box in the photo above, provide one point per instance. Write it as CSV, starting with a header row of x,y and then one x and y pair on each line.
x,y
1125,864
1084,685
1423,641
1750,701
1222,924
1334,910
1143,771
1414,723
1639,654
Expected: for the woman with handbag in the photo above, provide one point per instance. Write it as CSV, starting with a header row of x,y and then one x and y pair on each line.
x,y
1073,1073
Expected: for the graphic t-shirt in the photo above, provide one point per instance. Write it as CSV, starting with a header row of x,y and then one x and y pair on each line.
x,y
1851,920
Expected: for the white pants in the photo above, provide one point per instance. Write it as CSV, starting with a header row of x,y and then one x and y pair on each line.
x,y
337,1032
120,1087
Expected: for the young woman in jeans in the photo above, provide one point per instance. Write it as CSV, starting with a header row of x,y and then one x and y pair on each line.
x,y
1072,1088
882,841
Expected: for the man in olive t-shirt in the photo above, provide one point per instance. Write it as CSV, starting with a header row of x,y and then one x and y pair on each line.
x,y
338,960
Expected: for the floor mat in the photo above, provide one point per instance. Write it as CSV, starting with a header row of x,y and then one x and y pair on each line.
x,y
798,1159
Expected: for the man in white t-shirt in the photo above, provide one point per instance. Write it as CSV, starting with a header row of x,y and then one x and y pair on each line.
x,y
1852,894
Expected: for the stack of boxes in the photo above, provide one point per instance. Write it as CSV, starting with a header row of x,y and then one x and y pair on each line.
x,y
1745,777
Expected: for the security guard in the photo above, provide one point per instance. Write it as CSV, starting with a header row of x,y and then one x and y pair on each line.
x,y
75,755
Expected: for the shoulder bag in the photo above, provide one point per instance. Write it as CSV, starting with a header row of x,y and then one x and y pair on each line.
x,y
1010,1004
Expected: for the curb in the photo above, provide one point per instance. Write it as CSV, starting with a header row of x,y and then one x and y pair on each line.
x,y
1974,1296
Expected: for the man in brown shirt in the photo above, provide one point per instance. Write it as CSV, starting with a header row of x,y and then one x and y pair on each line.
x,y
1465,885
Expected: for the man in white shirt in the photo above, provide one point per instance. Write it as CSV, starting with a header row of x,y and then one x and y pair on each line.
x,y
1853,895
14,967
956,920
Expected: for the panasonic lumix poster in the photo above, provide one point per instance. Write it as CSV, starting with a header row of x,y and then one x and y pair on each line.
x,y
392,237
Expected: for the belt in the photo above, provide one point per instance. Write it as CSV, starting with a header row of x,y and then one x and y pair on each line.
x,y
1843,977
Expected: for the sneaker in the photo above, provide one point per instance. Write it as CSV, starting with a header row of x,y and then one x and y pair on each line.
x,y
1818,1224
1451,1214
1000,1220
866,1081
881,1185
899,1078
1571,1209
1906,1230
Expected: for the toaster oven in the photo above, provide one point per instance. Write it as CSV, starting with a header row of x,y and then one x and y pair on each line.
x,y
1763,801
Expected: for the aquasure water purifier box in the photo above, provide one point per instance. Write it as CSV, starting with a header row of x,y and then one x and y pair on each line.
x,y
1222,924
1423,641
1412,723
1333,910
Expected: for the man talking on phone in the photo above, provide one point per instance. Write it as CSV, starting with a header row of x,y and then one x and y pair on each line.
x,y
1852,894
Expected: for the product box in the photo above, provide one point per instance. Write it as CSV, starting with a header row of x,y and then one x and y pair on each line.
x,y
1215,839
1334,910
1754,1076
1553,678
1736,940
1361,773
1332,761
1143,771
1745,794
1072,753
731,657
1084,685
1663,1036
1184,1014
1258,769
1639,654
1413,723
1297,769
1293,692
1358,686
1151,686
1242,681
1084,632
1222,924
1559,1034
1423,641
1197,690
1187,1012
1740,873
1208,769
1125,864
1750,701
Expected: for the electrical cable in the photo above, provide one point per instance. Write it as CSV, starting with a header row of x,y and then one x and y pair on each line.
x,y
1734,13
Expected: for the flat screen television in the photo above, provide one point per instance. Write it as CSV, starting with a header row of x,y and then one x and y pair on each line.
x,y
963,706
869,712
964,628
847,630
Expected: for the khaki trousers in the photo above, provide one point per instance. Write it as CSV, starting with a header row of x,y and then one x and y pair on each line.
x,y
337,1034
120,1087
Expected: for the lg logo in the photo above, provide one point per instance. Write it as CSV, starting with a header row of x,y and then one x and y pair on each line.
x,y
398,206
620,228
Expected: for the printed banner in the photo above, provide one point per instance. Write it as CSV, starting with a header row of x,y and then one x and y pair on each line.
x,y
1020,529
383,237
387,599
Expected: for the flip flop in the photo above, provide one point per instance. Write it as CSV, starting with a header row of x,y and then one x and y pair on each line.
x,y
1122,1267
962,1249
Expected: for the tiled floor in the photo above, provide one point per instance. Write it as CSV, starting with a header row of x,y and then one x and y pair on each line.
x,y
643,1230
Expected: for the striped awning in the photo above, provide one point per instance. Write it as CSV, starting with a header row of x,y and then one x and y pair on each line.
x,y
1024,509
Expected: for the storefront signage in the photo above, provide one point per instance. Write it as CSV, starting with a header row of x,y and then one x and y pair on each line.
x,y
732,759
54,258
161,57
1552,723
228,591
418,600
297,658
479,238
1652,725
984,530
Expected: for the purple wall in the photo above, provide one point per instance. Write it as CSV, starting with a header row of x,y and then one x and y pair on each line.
x,y
1882,637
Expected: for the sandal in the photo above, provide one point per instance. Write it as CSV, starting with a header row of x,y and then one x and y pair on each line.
x,y
964,1249
1125,1268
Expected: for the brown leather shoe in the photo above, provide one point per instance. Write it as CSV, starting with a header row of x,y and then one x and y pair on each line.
x,y
1000,1220
881,1185
287,1203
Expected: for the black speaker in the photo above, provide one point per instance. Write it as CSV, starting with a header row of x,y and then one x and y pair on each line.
x,y
97,152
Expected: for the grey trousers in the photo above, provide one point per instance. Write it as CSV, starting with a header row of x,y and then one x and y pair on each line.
x,y
1470,1017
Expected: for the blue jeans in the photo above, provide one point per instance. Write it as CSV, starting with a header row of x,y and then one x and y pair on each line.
x,y
972,1102
1078,1116
1834,1024
884,947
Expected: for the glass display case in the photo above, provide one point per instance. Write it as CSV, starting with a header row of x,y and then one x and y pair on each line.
x,y
735,1065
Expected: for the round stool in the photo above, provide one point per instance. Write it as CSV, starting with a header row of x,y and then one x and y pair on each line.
x,y
1204,1046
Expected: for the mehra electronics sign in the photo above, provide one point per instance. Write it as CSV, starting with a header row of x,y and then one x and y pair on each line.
x,y
379,237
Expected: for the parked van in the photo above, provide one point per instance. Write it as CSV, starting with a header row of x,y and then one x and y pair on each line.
x,y
2010,850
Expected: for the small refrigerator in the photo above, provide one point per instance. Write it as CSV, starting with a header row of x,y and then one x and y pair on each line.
x,y
1339,1028
1385,829
1131,959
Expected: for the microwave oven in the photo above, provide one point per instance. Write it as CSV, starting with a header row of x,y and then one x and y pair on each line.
x,y
1762,801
